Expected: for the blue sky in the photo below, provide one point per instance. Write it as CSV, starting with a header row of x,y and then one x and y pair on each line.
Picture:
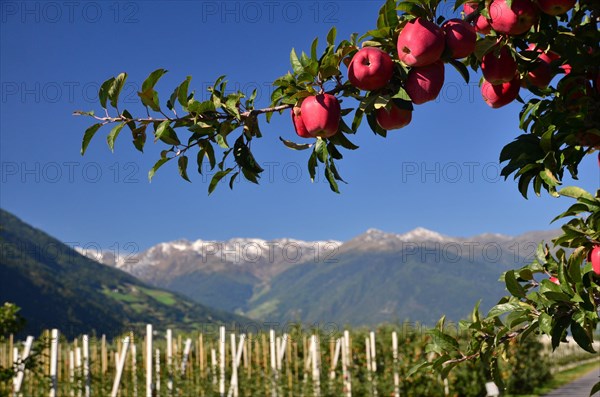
x,y
441,172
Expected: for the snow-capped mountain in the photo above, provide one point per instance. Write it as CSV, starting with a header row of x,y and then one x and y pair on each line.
x,y
260,258
363,280
267,258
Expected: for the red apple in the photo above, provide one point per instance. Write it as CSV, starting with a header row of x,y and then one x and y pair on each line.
x,y
542,74
595,256
502,94
499,69
420,43
394,118
425,83
555,7
370,69
514,20
299,124
555,280
482,24
460,38
321,115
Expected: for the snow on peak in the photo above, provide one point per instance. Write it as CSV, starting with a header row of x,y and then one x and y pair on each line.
x,y
421,234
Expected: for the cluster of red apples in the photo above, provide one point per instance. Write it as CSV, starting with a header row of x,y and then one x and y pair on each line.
x,y
421,46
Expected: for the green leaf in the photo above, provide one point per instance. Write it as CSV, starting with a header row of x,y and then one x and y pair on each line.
x,y
412,9
321,150
112,136
545,323
232,179
222,141
294,145
312,165
200,107
503,308
313,49
217,178
152,79
581,337
103,92
331,36
182,164
88,135
513,286
331,179
461,68
296,65
231,105
210,153
139,137
445,342
340,139
150,98
417,368
158,164
182,92
388,18
558,330
165,133
575,192
130,123
115,89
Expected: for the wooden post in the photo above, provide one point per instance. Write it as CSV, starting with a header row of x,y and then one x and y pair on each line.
x,y
53,362
149,363
186,354
170,361
236,356
213,362
134,368
272,355
21,374
395,364
157,368
373,362
222,361
335,356
120,367
346,357
201,354
288,362
104,355
15,360
86,365
316,374
78,368
11,341
368,362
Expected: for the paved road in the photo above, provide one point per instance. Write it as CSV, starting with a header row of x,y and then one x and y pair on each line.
x,y
579,388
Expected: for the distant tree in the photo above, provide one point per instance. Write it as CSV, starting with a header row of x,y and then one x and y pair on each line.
x,y
10,323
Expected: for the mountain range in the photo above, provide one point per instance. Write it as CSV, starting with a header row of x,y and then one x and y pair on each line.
x,y
375,277
57,287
